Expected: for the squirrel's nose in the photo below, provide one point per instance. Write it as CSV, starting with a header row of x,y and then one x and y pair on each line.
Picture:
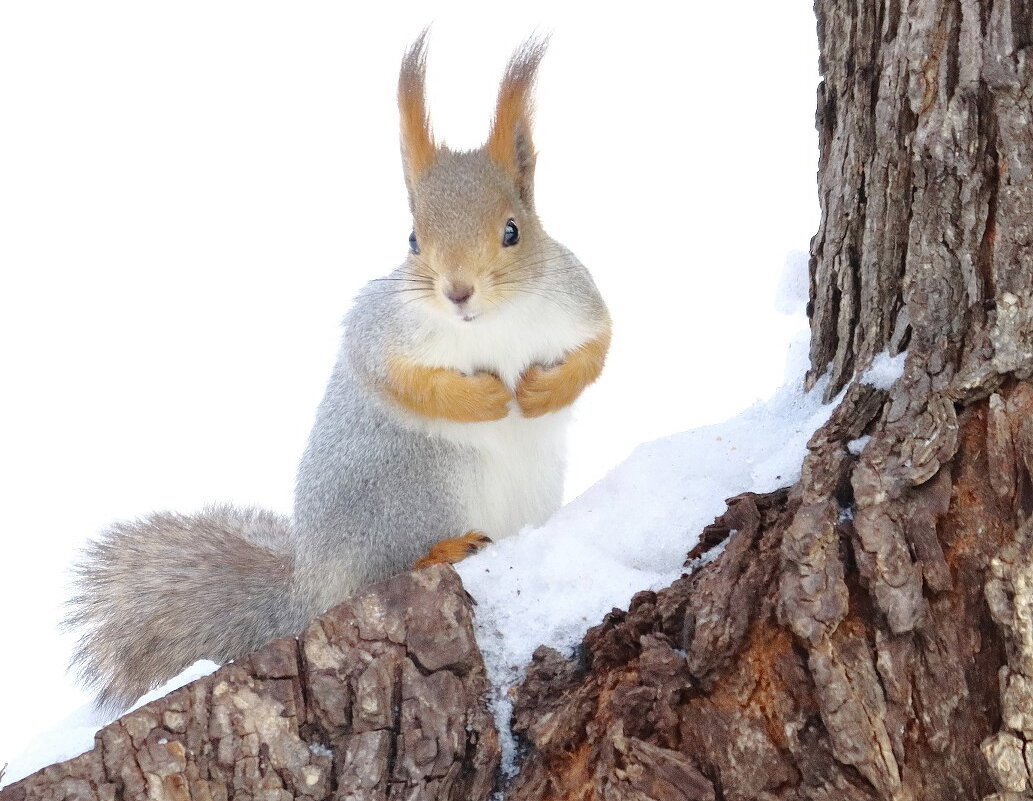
x,y
459,293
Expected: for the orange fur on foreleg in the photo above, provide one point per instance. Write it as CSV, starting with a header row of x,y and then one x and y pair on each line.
x,y
547,389
443,393
453,549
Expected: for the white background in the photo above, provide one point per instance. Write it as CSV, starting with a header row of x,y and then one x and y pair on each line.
x,y
192,192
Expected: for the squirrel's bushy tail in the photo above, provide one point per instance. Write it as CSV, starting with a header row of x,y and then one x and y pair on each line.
x,y
156,595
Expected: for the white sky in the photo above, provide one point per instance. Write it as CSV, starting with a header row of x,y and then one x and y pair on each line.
x,y
192,192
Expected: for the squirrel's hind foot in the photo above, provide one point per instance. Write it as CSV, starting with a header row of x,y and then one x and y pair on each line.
x,y
453,549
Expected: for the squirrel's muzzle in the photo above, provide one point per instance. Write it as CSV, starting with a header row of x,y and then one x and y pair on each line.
x,y
459,292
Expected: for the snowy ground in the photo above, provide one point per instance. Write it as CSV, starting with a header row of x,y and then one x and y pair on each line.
x,y
191,193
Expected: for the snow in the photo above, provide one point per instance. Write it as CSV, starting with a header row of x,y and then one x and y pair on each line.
x,y
198,670
793,288
71,737
884,370
855,446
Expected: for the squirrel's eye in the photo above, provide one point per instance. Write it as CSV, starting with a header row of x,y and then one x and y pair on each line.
x,y
413,244
511,235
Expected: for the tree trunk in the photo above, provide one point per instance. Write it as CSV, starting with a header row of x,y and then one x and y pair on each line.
x,y
867,634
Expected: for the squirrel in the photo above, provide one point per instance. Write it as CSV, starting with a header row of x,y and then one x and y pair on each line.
x,y
443,423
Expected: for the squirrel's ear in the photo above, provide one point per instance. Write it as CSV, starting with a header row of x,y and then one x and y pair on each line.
x,y
418,150
509,144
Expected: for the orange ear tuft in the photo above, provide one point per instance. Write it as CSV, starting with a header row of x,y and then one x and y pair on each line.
x,y
418,150
509,144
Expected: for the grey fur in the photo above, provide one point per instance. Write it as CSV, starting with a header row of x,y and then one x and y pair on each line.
x,y
374,491
158,594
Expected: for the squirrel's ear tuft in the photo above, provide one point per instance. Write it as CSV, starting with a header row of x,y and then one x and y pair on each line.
x,y
418,150
509,144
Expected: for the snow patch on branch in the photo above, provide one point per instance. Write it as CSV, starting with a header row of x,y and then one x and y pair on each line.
x,y
885,370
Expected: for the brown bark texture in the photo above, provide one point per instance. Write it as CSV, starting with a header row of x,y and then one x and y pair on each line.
x,y
381,699
867,633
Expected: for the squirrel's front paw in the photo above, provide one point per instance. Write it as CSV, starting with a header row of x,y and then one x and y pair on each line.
x,y
440,392
545,389
489,397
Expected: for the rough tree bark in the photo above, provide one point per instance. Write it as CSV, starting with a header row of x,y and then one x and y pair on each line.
x,y
867,634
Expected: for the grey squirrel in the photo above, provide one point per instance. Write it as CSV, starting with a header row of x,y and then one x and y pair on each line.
x,y
443,423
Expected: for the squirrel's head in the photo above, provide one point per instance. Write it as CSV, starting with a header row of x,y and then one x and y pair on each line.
x,y
476,239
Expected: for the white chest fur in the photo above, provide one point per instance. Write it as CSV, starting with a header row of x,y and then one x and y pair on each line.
x,y
515,473
505,341
515,476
